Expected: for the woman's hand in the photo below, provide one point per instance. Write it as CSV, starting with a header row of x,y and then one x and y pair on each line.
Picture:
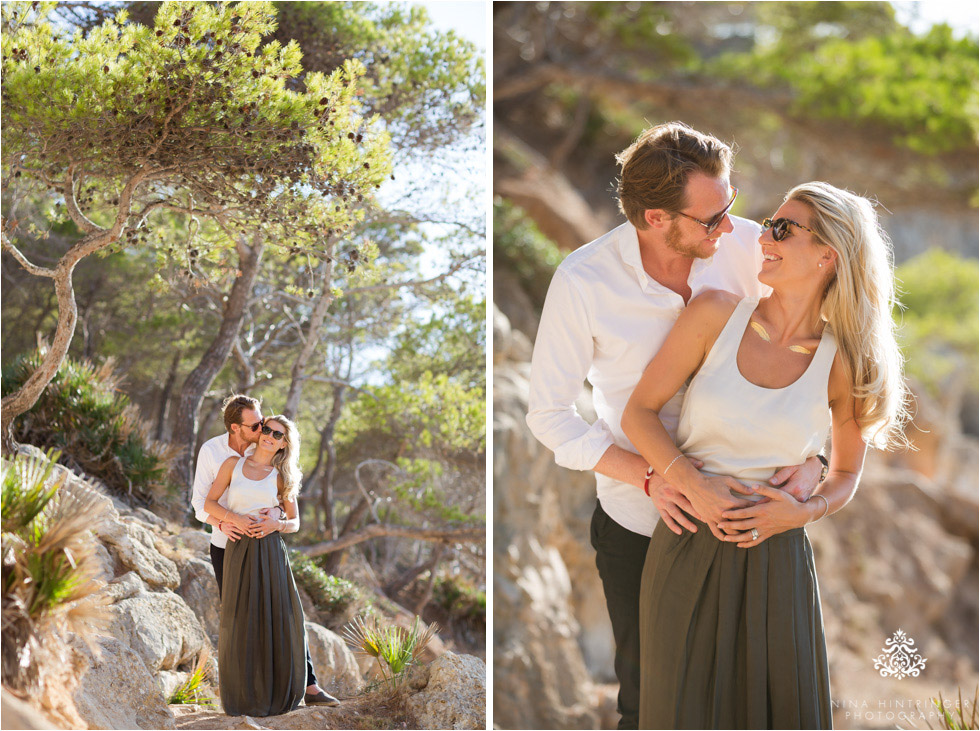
x,y
712,496
242,522
779,513
264,525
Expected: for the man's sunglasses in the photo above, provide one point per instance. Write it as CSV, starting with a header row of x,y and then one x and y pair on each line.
x,y
780,227
252,427
715,222
267,430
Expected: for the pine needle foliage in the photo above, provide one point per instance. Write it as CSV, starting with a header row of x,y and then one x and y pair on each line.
x,y
84,415
49,566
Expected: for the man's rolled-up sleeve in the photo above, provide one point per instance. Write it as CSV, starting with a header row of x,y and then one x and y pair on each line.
x,y
204,475
563,353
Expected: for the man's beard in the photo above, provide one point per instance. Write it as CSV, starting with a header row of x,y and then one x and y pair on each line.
x,y
674,241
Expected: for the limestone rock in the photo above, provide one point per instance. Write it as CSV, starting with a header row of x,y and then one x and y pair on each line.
x,y
124,587
200,590
22,715
160,628
135,547
455,696
335,665
117,690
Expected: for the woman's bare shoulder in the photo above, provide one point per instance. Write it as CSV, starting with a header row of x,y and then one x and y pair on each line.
x,y
713,306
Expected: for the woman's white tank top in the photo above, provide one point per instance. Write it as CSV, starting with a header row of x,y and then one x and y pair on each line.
x,y
747,431
249,496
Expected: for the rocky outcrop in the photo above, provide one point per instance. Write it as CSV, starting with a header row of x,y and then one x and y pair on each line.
x,y
116,689
541,679
455,695
163,613
335,665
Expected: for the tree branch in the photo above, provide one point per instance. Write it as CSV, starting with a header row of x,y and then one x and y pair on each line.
x,y
476,534
80,219
23,261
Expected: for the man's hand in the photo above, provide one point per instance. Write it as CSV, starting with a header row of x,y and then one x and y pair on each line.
x,y
672,505
799,480
714,496
231,530
263,526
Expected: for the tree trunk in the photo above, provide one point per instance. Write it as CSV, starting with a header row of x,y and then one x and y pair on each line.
x,y
326,492
165,393
332,562
317,317
427,594
199,380
376,530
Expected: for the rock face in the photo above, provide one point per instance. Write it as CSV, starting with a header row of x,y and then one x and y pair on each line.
x,y
117,690
134,545
160,628
455,696
199,589
901,555
541,515
335,665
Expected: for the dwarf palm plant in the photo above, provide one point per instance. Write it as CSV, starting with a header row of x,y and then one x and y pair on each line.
x,y
190,690
49,565
395,648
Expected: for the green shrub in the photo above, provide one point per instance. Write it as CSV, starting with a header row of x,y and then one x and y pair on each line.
x,y
460,599
938,328
521,248
331,594
83,414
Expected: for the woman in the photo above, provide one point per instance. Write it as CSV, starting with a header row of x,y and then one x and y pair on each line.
x,y
731,629
262,639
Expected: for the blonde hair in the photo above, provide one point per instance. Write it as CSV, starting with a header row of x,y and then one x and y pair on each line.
x,y
656,167
858,307
286,460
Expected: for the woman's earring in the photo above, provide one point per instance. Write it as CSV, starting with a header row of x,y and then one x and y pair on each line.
x,y
820,264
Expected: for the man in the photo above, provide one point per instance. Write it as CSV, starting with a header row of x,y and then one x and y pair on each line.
x,y
243,419
608,310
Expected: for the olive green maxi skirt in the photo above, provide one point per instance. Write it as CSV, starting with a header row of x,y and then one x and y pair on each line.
x,y
731,637
262,638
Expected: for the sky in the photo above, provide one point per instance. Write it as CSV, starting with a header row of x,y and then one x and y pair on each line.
x,y
466,17
962,15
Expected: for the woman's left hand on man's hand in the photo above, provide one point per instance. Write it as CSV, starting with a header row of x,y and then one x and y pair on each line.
x,y
779,513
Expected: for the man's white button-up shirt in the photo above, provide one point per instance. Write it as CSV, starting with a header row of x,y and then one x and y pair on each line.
x,y
603,321
213,454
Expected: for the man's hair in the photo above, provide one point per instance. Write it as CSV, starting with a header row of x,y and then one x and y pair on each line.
x,y
656,167
233,406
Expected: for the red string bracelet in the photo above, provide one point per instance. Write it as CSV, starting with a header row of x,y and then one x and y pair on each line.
x,y
646,482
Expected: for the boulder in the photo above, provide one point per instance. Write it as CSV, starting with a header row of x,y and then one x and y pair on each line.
x,y
117,690
135,547
20,714
455,696
160,628
123,587
335,665
199,589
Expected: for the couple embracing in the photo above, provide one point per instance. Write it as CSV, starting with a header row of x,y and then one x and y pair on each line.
x,y
721,354
245,487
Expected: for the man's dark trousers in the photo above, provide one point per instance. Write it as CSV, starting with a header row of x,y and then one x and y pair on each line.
x,y
218,562
620,554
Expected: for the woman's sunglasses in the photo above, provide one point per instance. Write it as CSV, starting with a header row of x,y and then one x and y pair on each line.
x,y
267,430
780,227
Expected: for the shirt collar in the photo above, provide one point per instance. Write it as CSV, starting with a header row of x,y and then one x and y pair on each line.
x,y
629,250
